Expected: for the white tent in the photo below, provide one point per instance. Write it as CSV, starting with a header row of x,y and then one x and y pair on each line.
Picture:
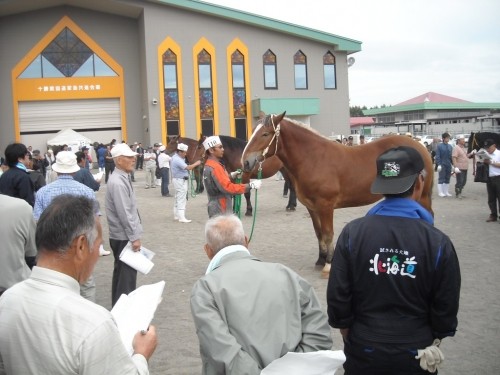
x,y
69,137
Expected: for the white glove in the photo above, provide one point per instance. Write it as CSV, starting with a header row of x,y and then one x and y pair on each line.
x,y
439,168
255,184
431,357
457,170
234,175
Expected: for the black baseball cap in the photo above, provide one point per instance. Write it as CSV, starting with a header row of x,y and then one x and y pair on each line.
x,y
397,170
489,142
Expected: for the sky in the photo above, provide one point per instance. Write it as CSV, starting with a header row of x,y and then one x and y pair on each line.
x,y
409,47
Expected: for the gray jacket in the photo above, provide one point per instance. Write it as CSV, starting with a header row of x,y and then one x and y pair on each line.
x,y
248,313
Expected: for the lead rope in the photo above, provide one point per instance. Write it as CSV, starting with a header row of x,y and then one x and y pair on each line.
x,y
237,198
259,176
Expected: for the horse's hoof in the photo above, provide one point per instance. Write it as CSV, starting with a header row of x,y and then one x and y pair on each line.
x,y
248,213
291,208
321,262
326,270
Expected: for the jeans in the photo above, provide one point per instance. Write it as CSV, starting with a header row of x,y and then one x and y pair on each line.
x,y
164,180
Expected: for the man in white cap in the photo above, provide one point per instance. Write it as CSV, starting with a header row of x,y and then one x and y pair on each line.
x,y
124,221
220,189
180,175
65,167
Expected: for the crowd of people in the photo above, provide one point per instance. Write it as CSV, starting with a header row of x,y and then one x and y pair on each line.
x,y
54,239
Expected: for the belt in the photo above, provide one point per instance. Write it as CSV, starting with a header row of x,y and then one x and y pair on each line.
x,y
494,177
181,178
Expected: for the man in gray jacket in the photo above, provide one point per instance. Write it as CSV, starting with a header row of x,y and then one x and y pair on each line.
x,y
248,313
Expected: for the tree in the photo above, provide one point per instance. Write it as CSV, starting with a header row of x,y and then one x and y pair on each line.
x,y
357,111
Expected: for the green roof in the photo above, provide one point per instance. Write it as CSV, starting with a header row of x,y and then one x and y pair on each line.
x,y
429,106
341,43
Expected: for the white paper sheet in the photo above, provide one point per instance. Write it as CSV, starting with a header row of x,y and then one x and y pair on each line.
x,y
323,362
139,260
135,311
482,155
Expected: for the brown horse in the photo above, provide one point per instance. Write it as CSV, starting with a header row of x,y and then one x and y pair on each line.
x,y
194,153
326,175
233,150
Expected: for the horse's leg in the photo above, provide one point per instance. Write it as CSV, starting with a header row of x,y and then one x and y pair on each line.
x,y
249,210
326,241
317,229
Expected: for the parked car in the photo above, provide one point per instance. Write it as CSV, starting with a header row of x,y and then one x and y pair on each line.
x,y
426,140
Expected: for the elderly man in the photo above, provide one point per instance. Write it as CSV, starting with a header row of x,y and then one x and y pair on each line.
x,y
16,181
65,167
123,219
220,189
394,285
46,327
248,313
180,176
493,184
150,161
18,236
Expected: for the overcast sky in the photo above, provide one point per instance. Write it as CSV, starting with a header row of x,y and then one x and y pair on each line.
x,y
409,47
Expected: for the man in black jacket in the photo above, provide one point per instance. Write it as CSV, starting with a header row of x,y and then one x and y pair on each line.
x,y
394,284
16,181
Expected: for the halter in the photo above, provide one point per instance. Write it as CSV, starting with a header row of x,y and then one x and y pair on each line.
x,y
275,135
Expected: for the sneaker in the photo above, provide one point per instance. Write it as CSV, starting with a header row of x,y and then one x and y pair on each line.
x,y
184,221
104,253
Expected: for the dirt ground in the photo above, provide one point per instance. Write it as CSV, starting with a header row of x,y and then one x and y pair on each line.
x,y
288,238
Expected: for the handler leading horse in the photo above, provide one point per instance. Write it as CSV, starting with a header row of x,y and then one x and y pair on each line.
x,y
326,174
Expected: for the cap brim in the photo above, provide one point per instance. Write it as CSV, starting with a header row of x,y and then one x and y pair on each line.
x,y
74,169
388,185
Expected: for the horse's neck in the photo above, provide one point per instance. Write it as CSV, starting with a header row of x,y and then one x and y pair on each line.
x,y
296,143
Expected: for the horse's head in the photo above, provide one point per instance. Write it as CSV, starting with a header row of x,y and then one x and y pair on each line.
x,y
172,144
263,142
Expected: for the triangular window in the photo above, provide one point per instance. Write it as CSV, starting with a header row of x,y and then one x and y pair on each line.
x,y
67,56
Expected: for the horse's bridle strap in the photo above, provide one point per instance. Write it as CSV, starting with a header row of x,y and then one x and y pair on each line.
x,y
275,135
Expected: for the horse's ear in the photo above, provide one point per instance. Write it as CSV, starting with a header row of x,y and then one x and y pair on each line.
x,y
278,118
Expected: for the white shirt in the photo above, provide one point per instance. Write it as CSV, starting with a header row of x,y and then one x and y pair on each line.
x,y
495,158
46,327
164,160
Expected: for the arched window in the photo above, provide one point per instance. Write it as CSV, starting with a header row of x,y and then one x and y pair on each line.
x,y
329,74
171,92
206,93
239,94
270,70
300,64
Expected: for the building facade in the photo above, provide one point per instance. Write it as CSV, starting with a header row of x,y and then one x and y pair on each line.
x,y
146,70
433,114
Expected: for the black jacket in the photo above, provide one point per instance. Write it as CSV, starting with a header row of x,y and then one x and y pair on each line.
x,y
394,280
17,183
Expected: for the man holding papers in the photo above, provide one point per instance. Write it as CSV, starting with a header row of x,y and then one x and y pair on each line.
x,y
46,327
123,219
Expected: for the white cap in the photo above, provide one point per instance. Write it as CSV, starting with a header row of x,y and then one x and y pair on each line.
x,y
212,141
122,149
182,147
65,163
162,148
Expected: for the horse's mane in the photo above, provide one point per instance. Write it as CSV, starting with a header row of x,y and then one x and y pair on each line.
x,y
306,127
232,142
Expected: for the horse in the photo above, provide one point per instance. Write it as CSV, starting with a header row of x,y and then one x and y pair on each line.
x,y
233,150
194,153
326,174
